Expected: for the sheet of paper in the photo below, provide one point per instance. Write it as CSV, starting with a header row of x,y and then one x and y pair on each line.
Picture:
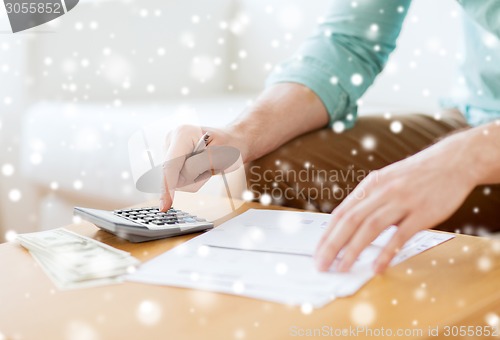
x,y
267,254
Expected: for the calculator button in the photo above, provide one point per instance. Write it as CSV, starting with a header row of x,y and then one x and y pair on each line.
x,y
169,221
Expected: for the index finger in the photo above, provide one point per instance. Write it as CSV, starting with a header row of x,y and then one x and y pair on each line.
x,y
180,145
170,172
354,198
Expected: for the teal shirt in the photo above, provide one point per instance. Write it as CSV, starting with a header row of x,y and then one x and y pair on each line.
x,y
350,48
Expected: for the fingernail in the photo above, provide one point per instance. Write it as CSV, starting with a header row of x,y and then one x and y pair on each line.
x,y
162,204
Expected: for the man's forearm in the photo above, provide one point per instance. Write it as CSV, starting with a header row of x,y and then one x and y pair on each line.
x,y
485,151
280,114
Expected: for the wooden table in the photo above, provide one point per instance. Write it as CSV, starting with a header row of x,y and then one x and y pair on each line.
x,y
454,284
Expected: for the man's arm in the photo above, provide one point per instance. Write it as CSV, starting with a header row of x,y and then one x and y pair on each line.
x,y
348,50
484,148
281,113
416,193
335,66
319,85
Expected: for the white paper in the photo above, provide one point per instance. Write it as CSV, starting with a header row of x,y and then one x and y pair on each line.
x,y
267,254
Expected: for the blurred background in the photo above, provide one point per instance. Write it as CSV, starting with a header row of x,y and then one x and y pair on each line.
x,y
73,91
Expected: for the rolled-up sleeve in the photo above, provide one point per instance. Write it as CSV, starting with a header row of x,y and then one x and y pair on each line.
x,y
345,54
485,13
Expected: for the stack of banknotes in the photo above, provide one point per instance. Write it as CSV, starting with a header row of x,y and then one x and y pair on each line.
x,y
75,261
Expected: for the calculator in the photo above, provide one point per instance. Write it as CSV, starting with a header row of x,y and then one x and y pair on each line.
x,y
144,224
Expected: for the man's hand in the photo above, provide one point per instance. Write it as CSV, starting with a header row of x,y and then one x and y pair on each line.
x,y
180,143
414,194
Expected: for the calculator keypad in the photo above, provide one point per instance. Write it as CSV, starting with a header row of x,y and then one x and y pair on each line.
x,y
152,218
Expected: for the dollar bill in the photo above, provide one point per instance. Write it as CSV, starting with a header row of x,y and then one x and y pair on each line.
x,y
64,281
74,261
